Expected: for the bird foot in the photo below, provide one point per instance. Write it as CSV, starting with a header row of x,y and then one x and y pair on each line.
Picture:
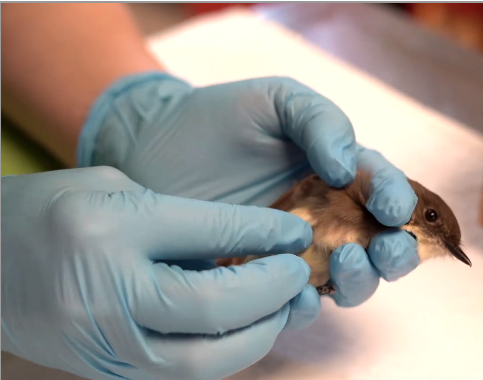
x,y
325,289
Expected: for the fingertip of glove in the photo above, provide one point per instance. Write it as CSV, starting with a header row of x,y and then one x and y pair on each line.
x,y
298,231
347,253
393,203
286,264
261,230
304,309
394,253
352,275
296,262
338,168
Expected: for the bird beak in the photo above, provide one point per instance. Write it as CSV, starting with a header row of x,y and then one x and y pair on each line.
x,y
458,253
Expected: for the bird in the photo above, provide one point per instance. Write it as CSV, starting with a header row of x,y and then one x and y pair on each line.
x,y
339,216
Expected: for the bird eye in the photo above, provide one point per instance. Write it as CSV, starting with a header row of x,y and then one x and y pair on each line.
x,y
431,215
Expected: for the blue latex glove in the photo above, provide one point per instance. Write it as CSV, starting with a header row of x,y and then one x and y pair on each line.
x,y
247,143
85,287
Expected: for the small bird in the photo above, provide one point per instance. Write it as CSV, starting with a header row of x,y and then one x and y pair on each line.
x,y
339,216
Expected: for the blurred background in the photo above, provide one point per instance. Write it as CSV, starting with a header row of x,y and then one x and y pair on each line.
x,y
461,22
431,52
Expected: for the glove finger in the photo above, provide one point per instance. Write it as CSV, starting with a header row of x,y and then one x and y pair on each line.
x,y
171,300
304,309
173,228
394,254
393,200
320,128
187,357
354,278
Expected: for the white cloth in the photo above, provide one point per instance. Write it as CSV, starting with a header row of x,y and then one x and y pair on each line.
x,y
426,326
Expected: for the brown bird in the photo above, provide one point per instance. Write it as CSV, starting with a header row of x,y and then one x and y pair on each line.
x,y
339,216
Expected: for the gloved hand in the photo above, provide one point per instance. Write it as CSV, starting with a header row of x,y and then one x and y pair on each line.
x,y
247,143
86,287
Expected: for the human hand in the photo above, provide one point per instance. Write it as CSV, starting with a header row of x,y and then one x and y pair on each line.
x,y
90,283
248,142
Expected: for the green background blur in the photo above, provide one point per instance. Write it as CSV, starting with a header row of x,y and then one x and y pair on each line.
x,y
20,155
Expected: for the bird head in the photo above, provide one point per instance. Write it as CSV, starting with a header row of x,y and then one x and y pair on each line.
x,y
435,227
